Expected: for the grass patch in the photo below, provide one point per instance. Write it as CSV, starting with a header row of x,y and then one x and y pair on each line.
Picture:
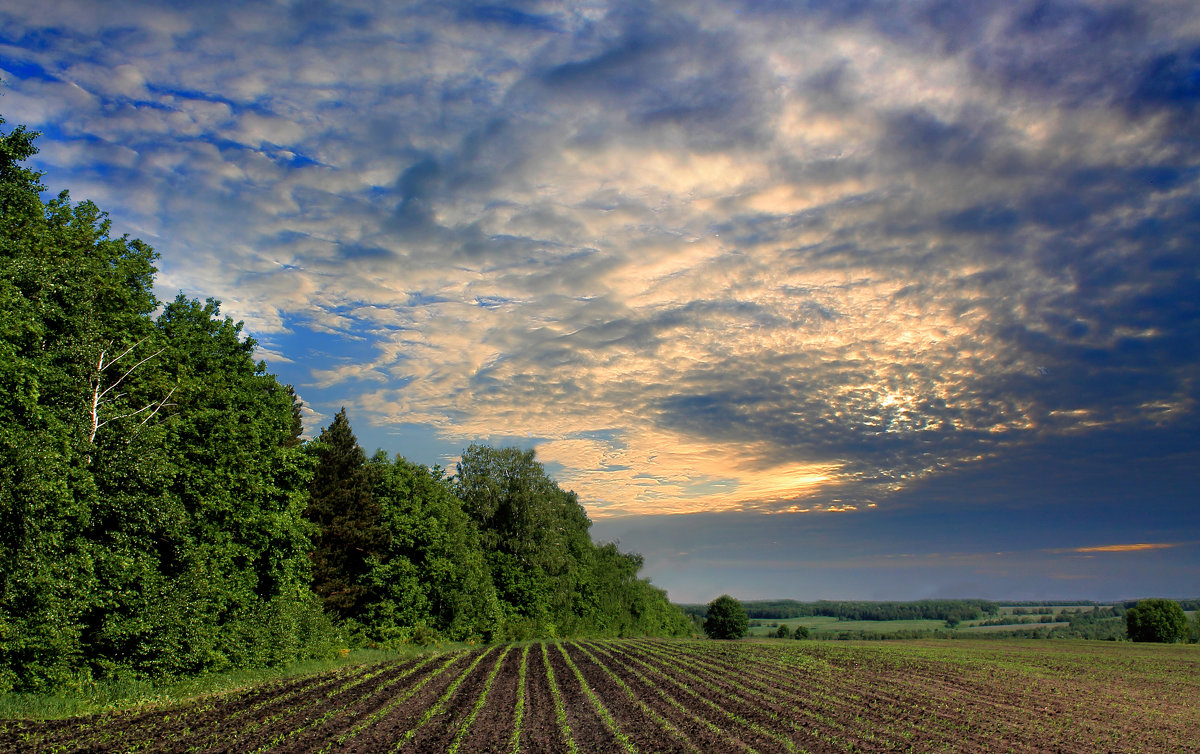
x,y
109,696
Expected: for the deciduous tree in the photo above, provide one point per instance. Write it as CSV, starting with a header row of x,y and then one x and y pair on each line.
x,y
1156,620
726,619
431,570
136,537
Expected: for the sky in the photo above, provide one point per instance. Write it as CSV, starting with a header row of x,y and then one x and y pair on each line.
x,y
844,300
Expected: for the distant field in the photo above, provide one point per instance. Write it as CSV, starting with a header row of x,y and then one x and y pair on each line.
x,y
690,696
826,624
1018,627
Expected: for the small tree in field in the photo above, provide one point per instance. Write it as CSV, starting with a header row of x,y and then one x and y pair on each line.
x,y
1156,620
726,619
782,632
801,632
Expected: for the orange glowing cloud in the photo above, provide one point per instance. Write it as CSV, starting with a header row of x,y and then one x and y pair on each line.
x,y
1138,547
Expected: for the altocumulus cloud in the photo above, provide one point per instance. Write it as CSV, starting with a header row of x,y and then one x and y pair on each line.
x,y
709,256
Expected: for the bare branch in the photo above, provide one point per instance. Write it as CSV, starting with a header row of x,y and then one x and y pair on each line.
x,y
102,395
118,417
131,370
161,403
104,366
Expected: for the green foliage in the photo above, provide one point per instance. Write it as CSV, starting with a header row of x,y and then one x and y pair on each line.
x,y
431,571
1099,623
549,577
801,632
203,521
54,264
726,619
105,697
943,610
534,533
613,601
151,483
510,558
1157,620
782,632
348,537
160,515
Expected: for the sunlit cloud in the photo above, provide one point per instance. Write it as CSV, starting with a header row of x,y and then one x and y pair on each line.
x,y
721,257
1137,547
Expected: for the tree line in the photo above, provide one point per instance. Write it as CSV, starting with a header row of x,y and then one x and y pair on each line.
x,y
954,611
498,551
1148,620
162,515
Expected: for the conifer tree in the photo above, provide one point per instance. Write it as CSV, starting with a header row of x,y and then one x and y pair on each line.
x,y
343,507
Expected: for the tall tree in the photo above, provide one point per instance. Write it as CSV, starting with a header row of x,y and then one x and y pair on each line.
x,y
549,576
68,292
431,571
151,489
534,533
198,529
349,534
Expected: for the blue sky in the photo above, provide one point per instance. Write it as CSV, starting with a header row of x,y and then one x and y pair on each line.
x,y
813,299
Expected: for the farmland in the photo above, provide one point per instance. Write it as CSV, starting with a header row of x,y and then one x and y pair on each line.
x,y
822,624
689,696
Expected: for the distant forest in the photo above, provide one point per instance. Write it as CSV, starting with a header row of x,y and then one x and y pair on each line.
x,y
947,610
1046,619
161,514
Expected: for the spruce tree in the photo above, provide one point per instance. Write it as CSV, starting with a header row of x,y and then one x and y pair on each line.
x,y
343,507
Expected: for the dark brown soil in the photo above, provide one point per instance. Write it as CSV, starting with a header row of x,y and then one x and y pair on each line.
x,y
871,707
655,691
385,733
539,731
643,731
442,728
358,703
679,697
124,731
587,728
492,729
802,699
734,716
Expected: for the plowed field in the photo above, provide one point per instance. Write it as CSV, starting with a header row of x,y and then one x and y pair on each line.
x,y
675,696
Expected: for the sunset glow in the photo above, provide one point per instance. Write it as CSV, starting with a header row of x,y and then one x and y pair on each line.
x,y
712,260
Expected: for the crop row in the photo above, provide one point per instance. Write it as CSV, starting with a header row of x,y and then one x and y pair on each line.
x,y
651,696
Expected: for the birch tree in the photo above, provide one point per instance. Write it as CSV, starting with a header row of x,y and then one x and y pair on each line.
x,y
103,395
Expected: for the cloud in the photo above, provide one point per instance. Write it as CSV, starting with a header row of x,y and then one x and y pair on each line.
x,y
1139,547
762,257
